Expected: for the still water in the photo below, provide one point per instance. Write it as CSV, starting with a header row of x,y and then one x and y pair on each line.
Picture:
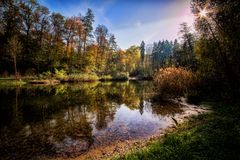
x,y
69,119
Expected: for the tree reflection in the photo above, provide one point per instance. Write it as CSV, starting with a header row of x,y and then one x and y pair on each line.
x,y
61,119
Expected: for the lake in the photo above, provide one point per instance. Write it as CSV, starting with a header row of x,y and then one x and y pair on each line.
x,y
69,119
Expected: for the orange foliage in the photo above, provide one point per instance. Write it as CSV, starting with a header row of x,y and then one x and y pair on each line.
x,y
173,81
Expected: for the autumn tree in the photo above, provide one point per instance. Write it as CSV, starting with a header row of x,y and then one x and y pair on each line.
x,y
79,32
69,33
132,59
101,34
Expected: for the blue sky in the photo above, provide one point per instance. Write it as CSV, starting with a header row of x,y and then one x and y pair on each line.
x,y
131,21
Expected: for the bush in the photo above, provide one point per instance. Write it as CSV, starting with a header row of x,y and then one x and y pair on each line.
x,y
78,77
121,76
60,73
47,74
173,82
106,78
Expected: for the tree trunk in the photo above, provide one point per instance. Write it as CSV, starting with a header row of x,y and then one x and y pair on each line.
x,y
15,67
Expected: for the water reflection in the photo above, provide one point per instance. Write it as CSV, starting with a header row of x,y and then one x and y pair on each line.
x,y
67,120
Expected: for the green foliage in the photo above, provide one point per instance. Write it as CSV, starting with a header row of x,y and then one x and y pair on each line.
x,y
59,73
161,52
47,74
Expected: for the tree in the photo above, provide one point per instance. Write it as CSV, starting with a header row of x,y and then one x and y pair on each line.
x,y
142,48
41,24
10,18
112,42
187,46
27,10
111,52
132,58
10,23
57,47
57,23
88,20
161,54
101,34
41,33
217,22
69,33
52,41
14,48
176,53
79,32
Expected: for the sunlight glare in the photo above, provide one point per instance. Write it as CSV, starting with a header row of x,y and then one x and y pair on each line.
x,y
203,13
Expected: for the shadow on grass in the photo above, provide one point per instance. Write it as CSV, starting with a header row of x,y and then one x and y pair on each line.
x,y
213,135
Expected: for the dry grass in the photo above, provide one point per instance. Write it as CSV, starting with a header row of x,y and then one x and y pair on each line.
x,y
173,81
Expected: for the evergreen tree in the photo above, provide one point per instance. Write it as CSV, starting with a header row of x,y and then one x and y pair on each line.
x,y
88,20
142,48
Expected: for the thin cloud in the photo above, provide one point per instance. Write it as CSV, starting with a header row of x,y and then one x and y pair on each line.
x,y
131,21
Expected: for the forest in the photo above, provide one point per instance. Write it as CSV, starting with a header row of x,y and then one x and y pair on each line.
x,y
38,46
35,41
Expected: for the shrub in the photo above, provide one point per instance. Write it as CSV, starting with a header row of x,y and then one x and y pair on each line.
x,y
47,74
78,77
173,82
60,73
106,78
121,76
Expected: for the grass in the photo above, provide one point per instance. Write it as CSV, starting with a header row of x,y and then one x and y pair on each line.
x,y
214,135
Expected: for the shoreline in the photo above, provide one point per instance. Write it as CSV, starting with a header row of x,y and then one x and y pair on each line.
x,y
55,81
123,147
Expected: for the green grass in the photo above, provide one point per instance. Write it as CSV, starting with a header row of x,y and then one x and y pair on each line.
x,y
213,135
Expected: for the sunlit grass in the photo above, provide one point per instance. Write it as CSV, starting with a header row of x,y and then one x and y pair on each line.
x,y
77,77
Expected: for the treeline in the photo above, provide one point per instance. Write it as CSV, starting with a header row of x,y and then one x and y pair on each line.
x,y
178,53
34,40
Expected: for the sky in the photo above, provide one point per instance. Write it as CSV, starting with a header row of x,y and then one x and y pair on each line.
x,y
131,21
